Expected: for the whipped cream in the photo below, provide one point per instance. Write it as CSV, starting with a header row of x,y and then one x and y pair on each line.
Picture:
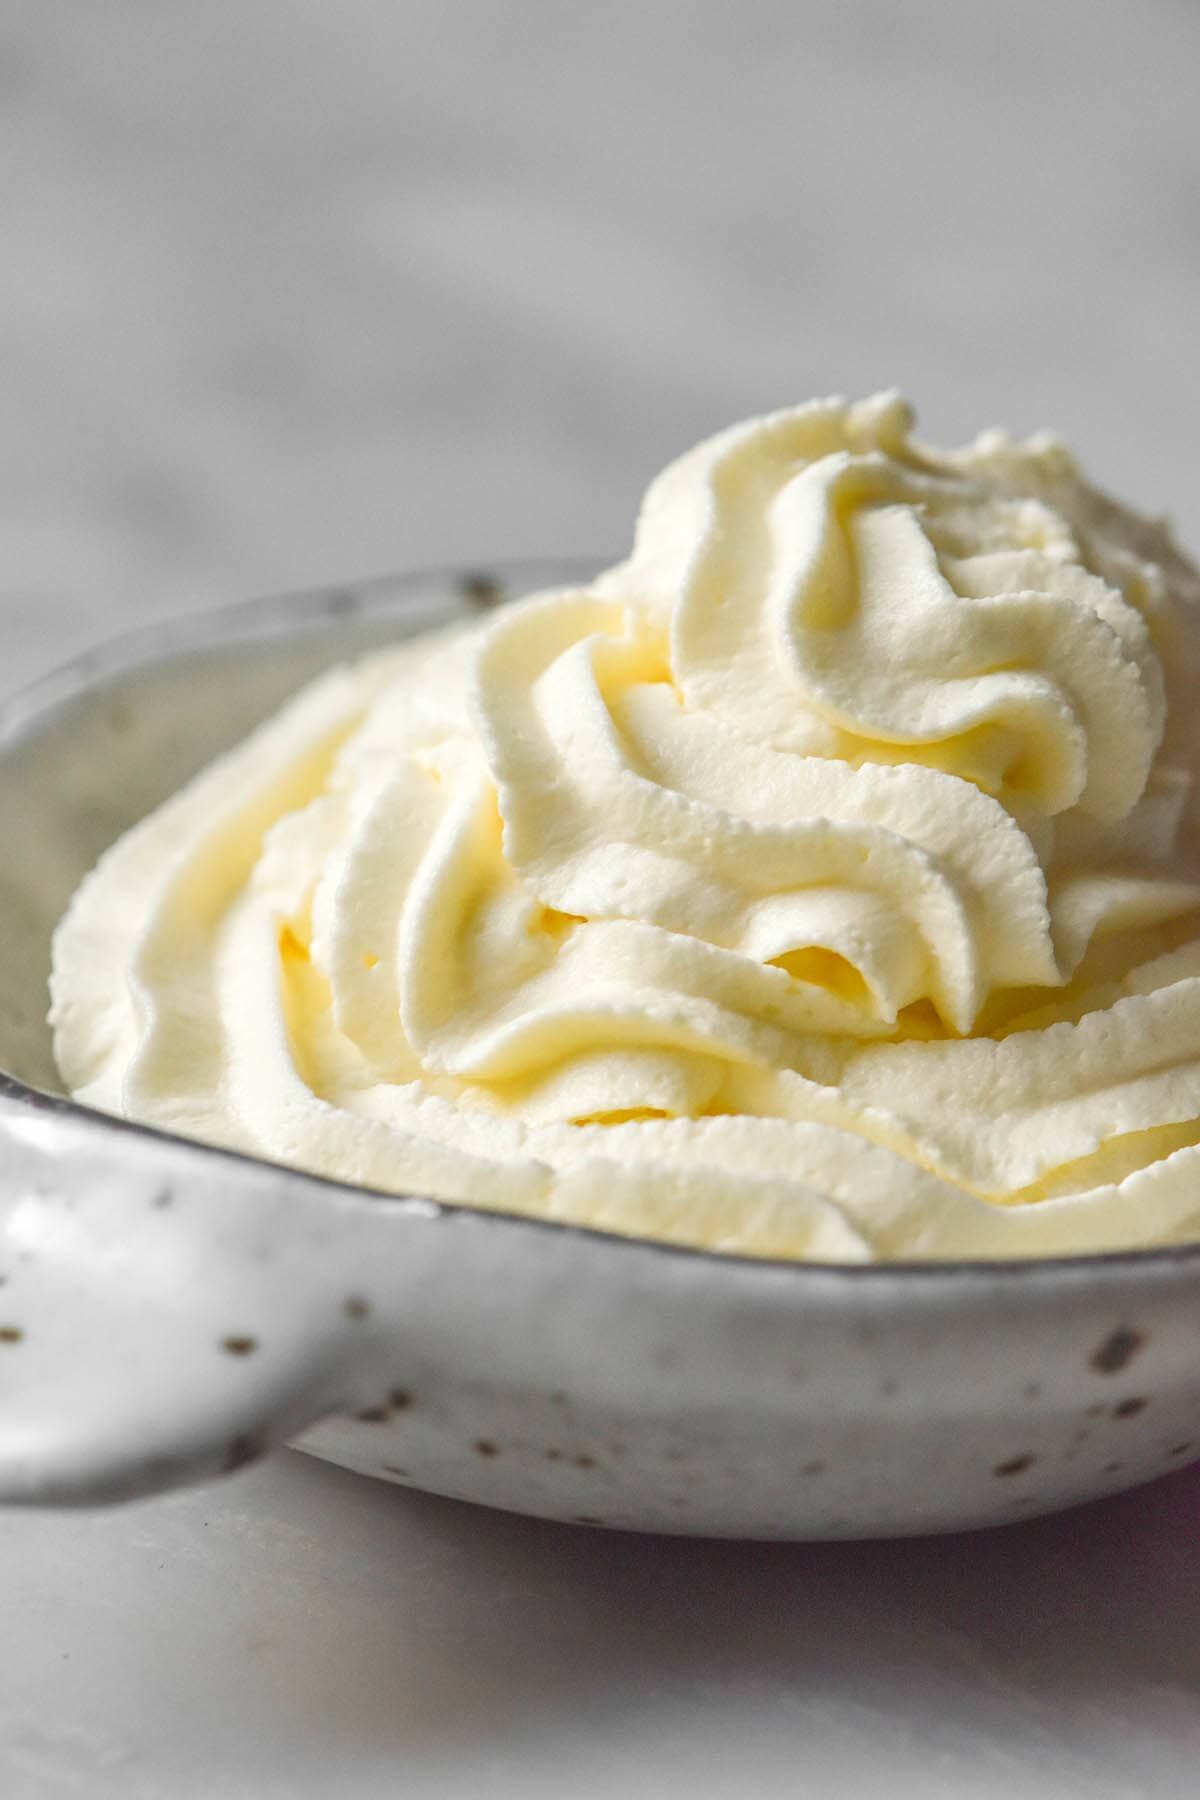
x,y
822,882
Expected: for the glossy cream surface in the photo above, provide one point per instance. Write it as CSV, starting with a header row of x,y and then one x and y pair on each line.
x,y
820,882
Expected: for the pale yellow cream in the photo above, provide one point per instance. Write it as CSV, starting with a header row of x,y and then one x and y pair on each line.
x,y
821,882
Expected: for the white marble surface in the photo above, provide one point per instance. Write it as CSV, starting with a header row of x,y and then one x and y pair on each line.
x,y
297,290
300,1631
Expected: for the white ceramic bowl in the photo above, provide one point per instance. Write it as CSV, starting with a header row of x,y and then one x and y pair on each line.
x,y
168,1311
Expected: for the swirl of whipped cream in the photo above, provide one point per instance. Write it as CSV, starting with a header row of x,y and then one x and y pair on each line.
x,y
821,881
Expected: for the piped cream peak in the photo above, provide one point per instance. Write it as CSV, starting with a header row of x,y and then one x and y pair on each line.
x,y
821,881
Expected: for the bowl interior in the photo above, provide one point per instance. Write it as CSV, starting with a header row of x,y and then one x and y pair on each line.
x,y
94,747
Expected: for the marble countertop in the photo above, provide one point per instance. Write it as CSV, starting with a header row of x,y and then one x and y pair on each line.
x,y
296,291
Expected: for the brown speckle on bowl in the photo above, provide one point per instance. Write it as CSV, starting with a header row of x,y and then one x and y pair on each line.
x,y
398,1400
1113,1468
485,1447
11,1334
355,1307
1118,1348
1015,1465
1032,1390
398,1473
247,1447
1128,1408
165,1197
481,589
812,1468
585,1461
553,1455
239,1346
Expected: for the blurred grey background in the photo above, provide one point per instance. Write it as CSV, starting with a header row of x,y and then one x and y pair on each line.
x,y
297,289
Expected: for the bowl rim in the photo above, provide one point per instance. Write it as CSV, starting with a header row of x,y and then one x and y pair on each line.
x,y
480,583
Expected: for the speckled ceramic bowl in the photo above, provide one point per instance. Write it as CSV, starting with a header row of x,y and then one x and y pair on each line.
x,y
168,1311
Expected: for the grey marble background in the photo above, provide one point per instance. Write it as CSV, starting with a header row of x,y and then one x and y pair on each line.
x,y
293,290
299,289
